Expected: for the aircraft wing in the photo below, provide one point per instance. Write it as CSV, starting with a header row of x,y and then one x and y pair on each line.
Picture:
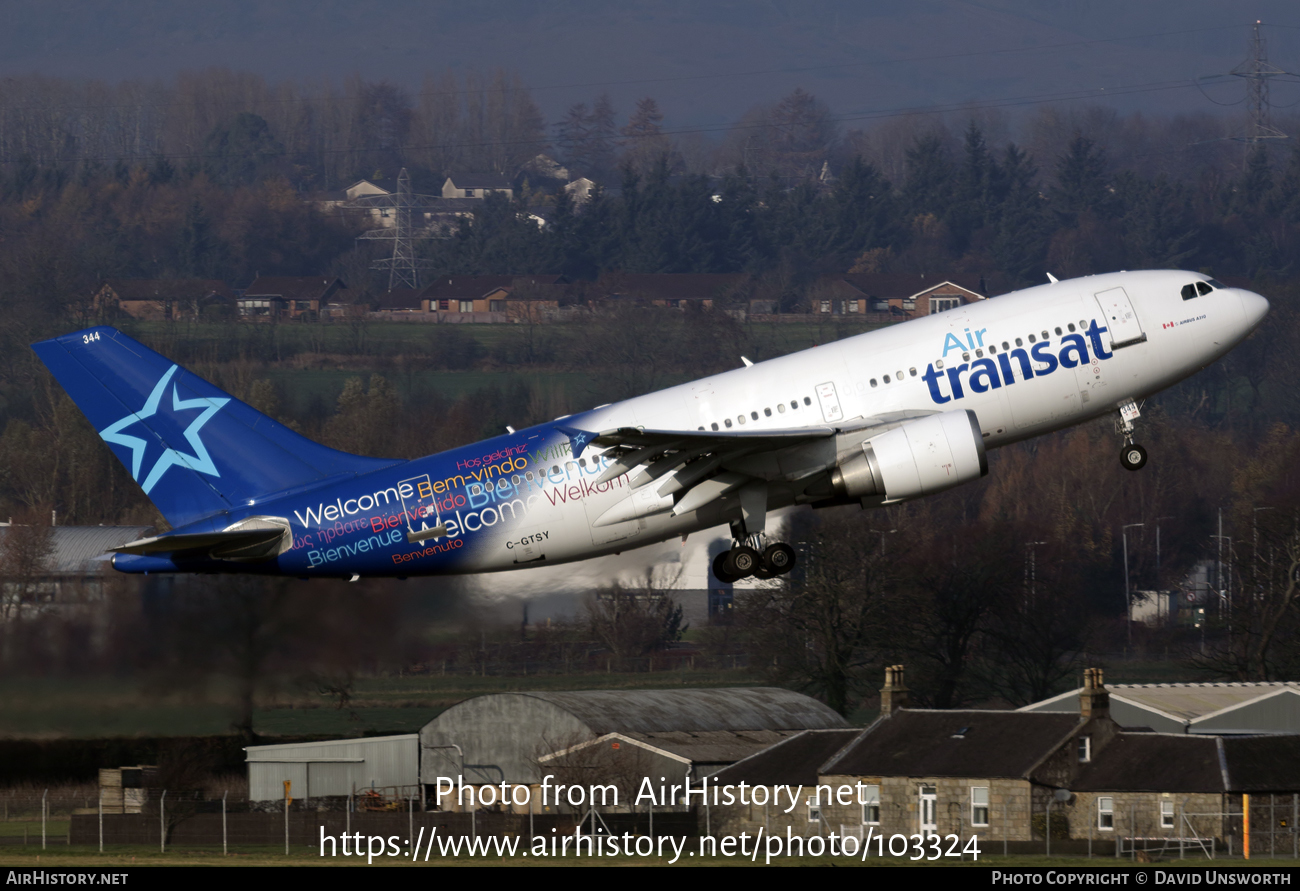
x,y
707,465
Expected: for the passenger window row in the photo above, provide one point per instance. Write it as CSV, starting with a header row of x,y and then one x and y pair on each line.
x,y
767,413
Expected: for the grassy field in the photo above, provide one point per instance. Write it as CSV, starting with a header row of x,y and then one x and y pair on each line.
x,y
125,856
100,707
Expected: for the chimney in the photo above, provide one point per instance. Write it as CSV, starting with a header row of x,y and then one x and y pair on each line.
x,y
1094,700
893,695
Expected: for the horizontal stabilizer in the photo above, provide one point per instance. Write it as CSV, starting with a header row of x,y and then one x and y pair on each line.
x,y
251,540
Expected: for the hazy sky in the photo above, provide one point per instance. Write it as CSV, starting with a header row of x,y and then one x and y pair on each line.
x,y
706,62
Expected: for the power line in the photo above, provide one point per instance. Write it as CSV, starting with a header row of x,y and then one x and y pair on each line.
x,y
655,80
1101,93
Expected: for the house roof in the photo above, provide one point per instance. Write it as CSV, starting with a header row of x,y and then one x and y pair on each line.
x,y
671,286
401,298
964,743
1262,763
84,550
1181,702
168,289
735,708
479,181
795,760
312,287
900,285
1153,762
471,287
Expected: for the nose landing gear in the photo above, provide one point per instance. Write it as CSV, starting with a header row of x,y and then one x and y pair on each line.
x,y
1132,456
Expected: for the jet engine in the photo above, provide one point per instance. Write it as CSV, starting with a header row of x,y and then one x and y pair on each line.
x,y
920,457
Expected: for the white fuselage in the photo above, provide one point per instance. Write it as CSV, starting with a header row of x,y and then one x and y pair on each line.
x,y
957,359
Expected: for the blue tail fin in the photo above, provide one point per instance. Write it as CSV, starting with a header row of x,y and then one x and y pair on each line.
x,y
194,449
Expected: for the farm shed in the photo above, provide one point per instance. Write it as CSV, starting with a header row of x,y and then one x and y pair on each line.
x,y
334,768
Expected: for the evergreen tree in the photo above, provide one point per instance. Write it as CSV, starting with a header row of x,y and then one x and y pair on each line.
x,y
1081,185
241,152
929,184
1020,243
972,206
862,210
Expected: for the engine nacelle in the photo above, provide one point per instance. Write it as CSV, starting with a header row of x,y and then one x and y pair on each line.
x,y
921,457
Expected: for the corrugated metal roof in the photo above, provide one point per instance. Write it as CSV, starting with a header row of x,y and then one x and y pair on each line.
x,y
735,708
712,746
1185,702
84,550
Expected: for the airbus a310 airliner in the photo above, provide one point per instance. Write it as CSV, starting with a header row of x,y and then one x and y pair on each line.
x,y
875,419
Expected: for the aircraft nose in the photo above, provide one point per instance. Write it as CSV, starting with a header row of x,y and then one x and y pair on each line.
x,y
1254,306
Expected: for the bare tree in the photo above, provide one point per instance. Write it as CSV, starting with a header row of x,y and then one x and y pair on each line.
x,y
823,630
637,619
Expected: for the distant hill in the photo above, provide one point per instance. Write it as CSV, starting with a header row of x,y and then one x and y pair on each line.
x,y
569,50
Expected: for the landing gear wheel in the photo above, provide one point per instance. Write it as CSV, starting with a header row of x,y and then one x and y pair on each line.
x,y
763,571
720,570
779,558
1133,457
741,561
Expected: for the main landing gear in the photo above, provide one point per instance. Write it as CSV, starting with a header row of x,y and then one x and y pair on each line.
x,y
745,560
751,554
1132,456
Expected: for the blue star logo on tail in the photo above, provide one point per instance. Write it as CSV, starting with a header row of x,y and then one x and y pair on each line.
x,y
199,461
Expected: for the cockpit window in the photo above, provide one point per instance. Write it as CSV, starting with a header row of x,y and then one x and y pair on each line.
x,y
1189,291
1217,284
1203,288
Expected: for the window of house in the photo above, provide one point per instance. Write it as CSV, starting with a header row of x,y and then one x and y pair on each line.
x,y
825,306
467,306
979,805
1105,813
853,306
444,305
1166,815
1085,749
814,812
496,306
871,806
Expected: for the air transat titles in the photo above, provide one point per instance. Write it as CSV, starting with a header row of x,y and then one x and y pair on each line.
x,y
983,374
